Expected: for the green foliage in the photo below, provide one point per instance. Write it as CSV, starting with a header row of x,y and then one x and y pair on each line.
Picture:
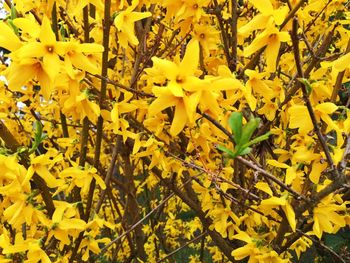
x,y
242,135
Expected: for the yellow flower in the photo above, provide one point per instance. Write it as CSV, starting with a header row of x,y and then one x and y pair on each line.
x,y
19,73
291,173
79,106
285,205
124,22
120,108
267,15
48,49
258,85
207,37
271,37
269,110
234,88
326,216
82,178
42,165
221,221
64,223
300,118
253,251
8,39
179,89
191,8
75,55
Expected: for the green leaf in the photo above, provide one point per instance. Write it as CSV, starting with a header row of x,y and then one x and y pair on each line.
x,y
38,136
248,130
15,29
230,153
306,84
13,12
244,150
235,122
258,139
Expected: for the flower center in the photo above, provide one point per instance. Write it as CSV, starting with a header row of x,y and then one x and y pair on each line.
x,y
179,80
49,49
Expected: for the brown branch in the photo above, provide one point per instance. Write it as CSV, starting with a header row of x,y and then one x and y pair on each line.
x,y
99,128
109,174
272,178
234,18
339,80
99,135
114,83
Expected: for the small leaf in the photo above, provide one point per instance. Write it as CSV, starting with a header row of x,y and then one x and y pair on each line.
x,y
248,130
235,122
13,12
230,153
244,151
258,139
307,85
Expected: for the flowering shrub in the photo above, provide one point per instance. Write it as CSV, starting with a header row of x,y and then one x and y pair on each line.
x,y
134,130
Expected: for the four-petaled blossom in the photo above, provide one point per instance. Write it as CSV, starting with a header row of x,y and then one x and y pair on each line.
x,y
124,22
271,37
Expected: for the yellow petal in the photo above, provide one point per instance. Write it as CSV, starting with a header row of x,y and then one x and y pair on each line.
x,y
258,22
47,36
8,39
99,181
74,223
264,187
90,48
265,7
51,65
136,16
342,63
280,14
243,236
191,103
326,107
175,88
271,52
242,252
51,181
289,212
180,119
291,174
277,164
27,26
168,68
299,118
189,63
274,201
161,103
259,42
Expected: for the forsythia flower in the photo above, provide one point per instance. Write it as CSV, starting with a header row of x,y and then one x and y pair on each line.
x,y
124,22
271,37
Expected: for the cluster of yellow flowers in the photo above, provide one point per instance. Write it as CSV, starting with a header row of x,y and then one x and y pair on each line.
x,y
134,130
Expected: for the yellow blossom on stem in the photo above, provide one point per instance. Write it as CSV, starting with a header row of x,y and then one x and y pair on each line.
x,y
124,22
300,118
48,49
271,37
